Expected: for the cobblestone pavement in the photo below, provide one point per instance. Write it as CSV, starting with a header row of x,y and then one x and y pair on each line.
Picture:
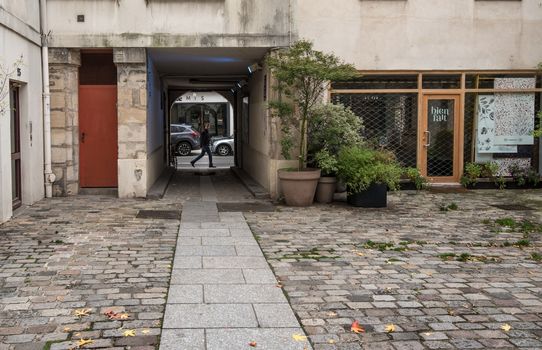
x,y
447,271
88,255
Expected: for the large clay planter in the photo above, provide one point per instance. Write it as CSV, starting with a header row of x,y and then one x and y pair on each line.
x,y
326,189
299,187
376,196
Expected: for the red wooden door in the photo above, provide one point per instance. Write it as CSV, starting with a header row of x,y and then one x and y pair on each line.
x,y
98,136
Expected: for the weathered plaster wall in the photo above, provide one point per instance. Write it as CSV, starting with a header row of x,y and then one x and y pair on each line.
x,y
133,23
426,34
155,124
132,121
13,46
64,85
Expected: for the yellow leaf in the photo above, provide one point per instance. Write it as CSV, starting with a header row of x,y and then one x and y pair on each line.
x,y
82,342
82,312
332,314
123,316
129,333
390,328
145,331
299,337
67,329
331,341
506,327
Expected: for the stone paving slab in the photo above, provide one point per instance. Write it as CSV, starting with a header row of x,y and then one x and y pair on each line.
x,y
186,294
207,276
186,339
209,316
238,262
243,293
265,338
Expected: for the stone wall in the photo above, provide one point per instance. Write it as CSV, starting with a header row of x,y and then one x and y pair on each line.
x,y
64,84
132,121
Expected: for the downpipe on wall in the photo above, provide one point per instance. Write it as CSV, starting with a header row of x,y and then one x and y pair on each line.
x,y
49,177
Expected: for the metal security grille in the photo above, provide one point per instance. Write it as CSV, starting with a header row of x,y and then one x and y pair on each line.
x,y
389,120
524,152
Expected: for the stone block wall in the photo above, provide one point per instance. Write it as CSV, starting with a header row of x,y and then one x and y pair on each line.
x,y
64,85
132,121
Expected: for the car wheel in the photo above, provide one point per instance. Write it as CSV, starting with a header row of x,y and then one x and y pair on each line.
x,y
184,148
223,150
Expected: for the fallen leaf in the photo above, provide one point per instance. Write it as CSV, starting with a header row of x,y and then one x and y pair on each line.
x,y
332,314
82,312
360,254
451,312
356,328
506,327
279,285
299,337
77,334
82,342
67,329
145,331
331,341
390,328
123,316
253,344
428,333
129,333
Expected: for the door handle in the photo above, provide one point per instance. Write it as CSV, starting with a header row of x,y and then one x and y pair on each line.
x,y
427,138
82,137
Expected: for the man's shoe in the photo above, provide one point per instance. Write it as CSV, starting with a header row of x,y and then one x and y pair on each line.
x,y
192,163
212,166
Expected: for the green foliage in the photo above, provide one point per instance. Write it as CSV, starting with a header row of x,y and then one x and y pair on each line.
x,y
360,167
474,171
448,207
536,256
326,162
414,175
471,174
523,176
331,128
301,73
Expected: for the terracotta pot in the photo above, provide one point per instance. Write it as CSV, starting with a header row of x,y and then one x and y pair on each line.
x,y
299,187
326,189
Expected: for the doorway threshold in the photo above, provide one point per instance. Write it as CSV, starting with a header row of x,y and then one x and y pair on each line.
x,y
99,191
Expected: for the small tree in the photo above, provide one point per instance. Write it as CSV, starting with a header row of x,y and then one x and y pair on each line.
x,y
302,73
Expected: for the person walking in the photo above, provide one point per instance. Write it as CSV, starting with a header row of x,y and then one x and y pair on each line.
x,y
205,140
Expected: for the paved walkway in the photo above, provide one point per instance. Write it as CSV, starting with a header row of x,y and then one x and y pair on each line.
x,y
223,295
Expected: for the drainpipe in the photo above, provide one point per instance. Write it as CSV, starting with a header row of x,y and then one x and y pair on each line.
x,y
49,177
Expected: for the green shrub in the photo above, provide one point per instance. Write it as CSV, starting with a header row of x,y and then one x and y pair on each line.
x,y
414,175
360,167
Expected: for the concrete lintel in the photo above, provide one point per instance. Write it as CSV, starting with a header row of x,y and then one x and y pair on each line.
x,y
135,40
65,56
130,55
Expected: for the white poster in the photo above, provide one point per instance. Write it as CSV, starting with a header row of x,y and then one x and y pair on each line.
x,y
485,137
514,112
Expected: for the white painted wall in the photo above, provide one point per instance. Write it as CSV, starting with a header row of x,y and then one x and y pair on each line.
x,y
426,34
13,46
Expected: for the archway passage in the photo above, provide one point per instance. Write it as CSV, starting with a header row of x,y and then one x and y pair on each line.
x,y
197,86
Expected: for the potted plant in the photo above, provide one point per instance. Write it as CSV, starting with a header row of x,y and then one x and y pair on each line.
x,y
301,74
368,174
332,127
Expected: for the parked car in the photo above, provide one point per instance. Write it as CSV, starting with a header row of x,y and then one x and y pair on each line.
x,y
222,146
184,139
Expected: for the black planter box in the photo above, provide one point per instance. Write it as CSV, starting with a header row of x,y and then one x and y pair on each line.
x,y
486,184
376,196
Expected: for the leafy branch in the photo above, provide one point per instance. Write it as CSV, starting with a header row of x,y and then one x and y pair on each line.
x,y
6,72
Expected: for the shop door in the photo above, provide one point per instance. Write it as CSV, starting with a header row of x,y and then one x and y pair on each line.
x,y
440,138
15,146
98,135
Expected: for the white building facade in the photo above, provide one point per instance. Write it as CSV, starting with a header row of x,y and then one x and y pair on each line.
x,y
429,66
21,117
